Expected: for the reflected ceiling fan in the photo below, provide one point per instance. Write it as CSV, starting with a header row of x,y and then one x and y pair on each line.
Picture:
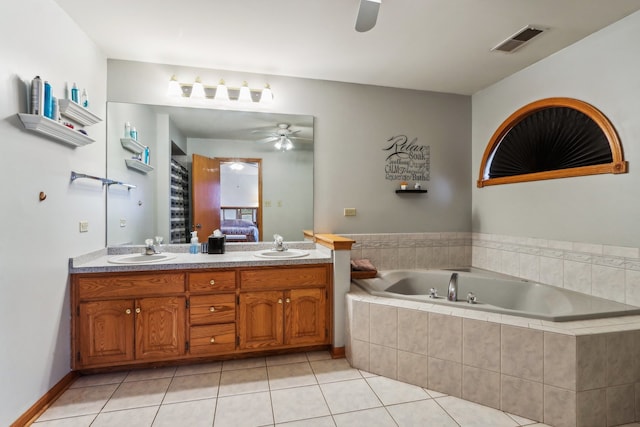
x,y
282,136
367,15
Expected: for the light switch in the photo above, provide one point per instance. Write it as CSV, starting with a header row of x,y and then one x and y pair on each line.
x,y
84,226
123,222
349,211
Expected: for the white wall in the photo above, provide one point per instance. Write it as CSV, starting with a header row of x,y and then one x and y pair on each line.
x,y
39,237
352,125
601,209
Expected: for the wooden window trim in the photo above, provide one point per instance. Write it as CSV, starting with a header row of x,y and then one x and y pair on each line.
x,y
617,165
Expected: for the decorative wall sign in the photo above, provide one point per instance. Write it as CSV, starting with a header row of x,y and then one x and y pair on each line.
x,y
407,160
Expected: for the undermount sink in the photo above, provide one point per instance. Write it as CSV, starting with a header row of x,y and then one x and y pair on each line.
x,y
140,258
289,253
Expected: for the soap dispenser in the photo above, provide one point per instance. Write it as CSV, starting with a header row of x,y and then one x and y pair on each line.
x,y
194,248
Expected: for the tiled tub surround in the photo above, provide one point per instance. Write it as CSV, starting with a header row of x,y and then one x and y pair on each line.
x,y
610,272
393,251
584,373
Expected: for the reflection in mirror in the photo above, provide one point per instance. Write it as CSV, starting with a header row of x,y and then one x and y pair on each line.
x,y
272,193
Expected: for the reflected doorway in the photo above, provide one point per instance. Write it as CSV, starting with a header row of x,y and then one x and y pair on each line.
x,y
227,196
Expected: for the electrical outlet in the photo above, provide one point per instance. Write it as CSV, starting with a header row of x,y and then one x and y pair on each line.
x,y
84,226
267,203
349,211
123,222
279,203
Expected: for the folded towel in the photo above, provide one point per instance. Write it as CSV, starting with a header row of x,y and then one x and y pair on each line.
x,y
362,265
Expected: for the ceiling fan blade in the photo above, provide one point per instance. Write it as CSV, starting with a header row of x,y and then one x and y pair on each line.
x,y
266,140
367,15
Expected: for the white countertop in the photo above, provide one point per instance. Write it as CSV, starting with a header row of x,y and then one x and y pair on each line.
x,y
98,262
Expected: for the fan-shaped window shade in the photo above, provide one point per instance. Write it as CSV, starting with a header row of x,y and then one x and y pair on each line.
x,y
551,138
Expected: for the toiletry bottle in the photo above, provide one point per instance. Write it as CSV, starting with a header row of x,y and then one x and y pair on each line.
x,y
48,100
74,93
134,133
56,109
146,155
127,130
194,247
85,99
37,96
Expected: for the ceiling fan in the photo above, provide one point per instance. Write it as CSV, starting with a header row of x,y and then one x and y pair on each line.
x,y
282,130
367,15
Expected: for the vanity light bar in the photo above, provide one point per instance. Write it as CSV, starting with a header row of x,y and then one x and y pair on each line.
x,y
220,92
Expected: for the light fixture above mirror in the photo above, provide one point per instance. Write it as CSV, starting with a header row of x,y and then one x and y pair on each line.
x,y
220,93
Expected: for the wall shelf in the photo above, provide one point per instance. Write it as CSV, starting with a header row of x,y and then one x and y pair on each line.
x,y
410,191
132,145
54,130
138,165
77,113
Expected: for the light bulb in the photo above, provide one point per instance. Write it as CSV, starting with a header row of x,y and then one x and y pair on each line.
x,y
222,94
267,96
197,91
245,93
174,90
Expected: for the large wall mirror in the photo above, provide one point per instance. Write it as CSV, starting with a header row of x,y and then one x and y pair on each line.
x,y
249,174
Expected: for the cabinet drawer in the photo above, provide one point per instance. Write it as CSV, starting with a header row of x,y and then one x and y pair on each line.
x,y
212,281
213,339
279,278
130,285
205,309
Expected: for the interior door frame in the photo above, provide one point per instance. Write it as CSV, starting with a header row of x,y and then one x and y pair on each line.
x,y
259,162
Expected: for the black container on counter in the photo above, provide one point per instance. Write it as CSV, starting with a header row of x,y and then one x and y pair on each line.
x,y
216,244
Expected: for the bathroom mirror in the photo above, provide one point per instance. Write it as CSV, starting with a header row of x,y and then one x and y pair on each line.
x,y
161,204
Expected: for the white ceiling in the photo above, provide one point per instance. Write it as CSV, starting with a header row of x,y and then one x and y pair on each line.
x,y
438,45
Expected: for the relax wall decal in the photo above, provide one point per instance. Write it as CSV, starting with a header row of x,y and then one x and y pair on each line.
x,y
407,160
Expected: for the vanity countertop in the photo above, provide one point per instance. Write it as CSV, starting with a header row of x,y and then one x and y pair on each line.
x,y
98,261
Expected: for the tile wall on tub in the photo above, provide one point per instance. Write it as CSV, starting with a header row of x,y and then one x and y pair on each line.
x,y
391,251
610,272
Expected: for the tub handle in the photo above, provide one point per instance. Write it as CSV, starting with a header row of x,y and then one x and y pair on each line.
x,y
471,298
433,293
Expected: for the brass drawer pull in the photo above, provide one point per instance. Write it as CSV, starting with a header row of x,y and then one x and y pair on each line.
x,y
288,300
279,300
213,340
212,282
138,310
128,311
212,309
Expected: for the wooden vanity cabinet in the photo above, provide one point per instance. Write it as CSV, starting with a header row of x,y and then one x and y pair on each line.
x,y
283,307
123,318
132,318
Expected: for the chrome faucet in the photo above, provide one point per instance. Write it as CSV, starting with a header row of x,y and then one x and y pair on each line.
x,y
278,243
150,248
452,292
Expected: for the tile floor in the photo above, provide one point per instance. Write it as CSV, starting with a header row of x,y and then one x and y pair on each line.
x,y
304,389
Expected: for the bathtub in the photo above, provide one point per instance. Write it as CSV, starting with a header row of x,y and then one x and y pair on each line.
x,y
494,293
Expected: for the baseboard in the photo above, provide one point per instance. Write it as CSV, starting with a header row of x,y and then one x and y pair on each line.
x,y
45,401
337,352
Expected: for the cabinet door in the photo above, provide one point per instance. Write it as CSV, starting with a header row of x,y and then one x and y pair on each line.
x,y
106,332
261,319
306,316
160,327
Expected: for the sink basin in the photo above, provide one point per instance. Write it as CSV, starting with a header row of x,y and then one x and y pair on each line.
x,y
289,253
140,258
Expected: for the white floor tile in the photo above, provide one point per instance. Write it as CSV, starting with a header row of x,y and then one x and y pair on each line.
x,y
243,381
99,379
521,420
197,413
291,375
193,387
377,417
255,362
79,401
150,374
421,413
334,370
284,359
244,410
139,417
313,422
201,368
318,355
469,414
138,394
391,391
83,421
346,396
299,403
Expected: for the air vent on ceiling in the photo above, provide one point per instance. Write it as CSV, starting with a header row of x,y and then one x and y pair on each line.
x,y
518,39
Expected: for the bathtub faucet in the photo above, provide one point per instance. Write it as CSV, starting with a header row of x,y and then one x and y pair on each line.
x,y
452,292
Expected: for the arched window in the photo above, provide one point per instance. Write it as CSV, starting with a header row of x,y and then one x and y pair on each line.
x,y
551,138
